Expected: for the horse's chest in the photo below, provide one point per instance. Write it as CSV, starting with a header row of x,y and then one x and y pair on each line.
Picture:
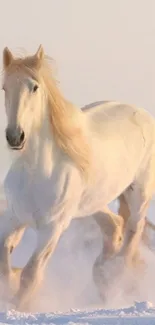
x,y
30,198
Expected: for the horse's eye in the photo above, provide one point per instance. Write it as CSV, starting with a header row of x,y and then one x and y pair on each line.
x,y
35,87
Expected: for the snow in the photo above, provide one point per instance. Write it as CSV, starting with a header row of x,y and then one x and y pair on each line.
x,y
139,313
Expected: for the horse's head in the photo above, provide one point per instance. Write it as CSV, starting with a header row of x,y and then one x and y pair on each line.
x,y
24,96
33,100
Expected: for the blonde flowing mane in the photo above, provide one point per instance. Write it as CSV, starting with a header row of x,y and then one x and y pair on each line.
x,y
67,122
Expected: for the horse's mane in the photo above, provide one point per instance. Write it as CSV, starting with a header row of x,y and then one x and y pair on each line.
x,y
67,121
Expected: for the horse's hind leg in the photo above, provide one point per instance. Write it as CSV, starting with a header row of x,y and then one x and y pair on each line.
x,y
137,202
125,213
113,237
112,228
113,225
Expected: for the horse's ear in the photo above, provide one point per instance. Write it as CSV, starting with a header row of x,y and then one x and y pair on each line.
x,y
7,57
40,53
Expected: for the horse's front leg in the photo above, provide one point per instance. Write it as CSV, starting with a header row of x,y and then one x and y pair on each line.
x,y
8,226
16,238
32,274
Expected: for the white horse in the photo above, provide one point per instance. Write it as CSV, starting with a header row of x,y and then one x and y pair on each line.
x,y
70,164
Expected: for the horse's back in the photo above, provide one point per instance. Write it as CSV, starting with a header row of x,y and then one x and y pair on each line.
x,y
92,105
114,109
114,116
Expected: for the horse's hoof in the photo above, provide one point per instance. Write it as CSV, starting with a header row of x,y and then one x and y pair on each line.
x,y
18,303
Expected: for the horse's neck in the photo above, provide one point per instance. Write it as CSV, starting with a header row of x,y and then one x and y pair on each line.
x,y
41,150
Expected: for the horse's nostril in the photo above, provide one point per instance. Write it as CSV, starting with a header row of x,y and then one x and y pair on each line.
x,y
22,136
7,137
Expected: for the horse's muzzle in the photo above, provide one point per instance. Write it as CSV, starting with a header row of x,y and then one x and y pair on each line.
x,y
15,138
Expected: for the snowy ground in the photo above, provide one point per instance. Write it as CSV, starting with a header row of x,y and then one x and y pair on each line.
x,y
69,296
138,314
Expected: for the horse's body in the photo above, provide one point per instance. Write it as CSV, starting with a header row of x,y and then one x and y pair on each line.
x,y
72,163
117,162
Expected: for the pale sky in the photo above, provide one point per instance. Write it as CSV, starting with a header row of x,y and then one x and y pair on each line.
x,y
104,49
